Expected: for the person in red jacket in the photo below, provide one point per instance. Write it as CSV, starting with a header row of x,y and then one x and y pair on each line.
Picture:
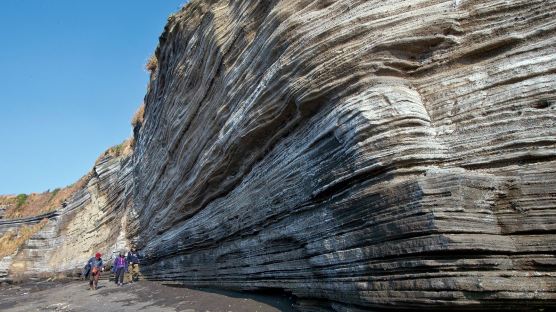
x,y
95,266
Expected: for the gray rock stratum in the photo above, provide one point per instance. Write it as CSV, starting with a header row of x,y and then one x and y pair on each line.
x,y
358,154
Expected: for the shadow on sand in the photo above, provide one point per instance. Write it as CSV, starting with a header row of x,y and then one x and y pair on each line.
x,y
277,298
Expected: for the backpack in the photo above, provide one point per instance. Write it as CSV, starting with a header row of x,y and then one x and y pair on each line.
x,y
86,271
120,262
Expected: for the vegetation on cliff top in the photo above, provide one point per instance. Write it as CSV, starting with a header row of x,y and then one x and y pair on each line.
x,y
123,149
20,200
139,116
28,205
152,63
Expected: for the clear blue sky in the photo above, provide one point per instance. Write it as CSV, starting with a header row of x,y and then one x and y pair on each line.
x,y
72,75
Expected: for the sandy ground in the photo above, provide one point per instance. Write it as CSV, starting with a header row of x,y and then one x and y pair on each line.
x,y
141,296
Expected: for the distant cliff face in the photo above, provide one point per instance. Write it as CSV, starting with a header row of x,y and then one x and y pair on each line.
x,y
92,221
358,154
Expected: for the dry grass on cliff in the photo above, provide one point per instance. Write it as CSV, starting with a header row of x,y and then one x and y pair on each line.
x,y
152,63
10,241
139,116
123,149
28,205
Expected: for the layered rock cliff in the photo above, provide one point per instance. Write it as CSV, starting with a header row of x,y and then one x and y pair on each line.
x,y
358,154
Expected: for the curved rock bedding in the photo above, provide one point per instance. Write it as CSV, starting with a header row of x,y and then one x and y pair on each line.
x,y
358,154
366,153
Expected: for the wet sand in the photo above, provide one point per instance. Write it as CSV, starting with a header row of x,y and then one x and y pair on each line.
x,y
141,296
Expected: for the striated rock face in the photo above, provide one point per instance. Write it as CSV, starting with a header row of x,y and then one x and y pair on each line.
x,y
358,154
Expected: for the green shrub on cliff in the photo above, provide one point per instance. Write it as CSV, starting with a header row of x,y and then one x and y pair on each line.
x,y
21,199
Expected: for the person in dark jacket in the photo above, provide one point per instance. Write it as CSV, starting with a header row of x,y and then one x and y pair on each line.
x,y
119,268
92,269
133,261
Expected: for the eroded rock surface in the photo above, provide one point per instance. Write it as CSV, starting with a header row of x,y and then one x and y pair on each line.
x,y
358,154
361,153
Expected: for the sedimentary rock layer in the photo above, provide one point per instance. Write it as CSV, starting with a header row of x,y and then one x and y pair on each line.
x,y
359,154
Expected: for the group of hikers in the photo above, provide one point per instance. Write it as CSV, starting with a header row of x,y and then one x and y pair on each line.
x,y
122,264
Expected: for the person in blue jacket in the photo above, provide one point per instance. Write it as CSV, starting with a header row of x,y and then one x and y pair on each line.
x,y
92,270
133,262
